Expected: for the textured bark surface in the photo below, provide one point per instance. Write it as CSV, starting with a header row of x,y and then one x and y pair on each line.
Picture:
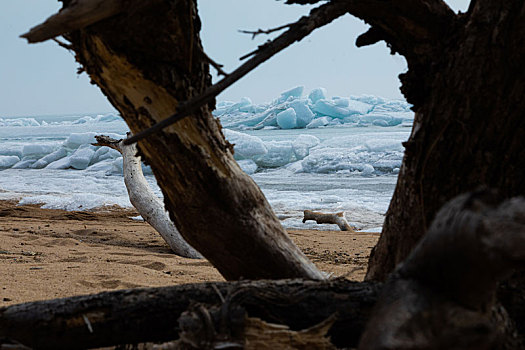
x,y
146,68
443,296
154,314
469,126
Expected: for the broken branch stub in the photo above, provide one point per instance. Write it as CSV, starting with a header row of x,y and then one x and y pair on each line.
x,y
79,14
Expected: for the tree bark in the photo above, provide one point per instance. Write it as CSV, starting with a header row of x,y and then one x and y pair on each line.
x,y
154,314
146,70
469,127
443,295
149,206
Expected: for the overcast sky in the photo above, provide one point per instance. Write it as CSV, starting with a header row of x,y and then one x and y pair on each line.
x,y
41,79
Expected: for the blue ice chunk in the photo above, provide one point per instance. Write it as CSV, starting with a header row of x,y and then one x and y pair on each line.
x,y
244,145
303,113
105,165
323,121
330,108
317,94
62,163
279,153
367,169
287,119
351,119
373,157
76,139
248,166
380,122
341,102
146,169
117,166
295,92
37,150
8,161
24,164
104,153
359,107
380,119
19,122
50,158
302,145
81,158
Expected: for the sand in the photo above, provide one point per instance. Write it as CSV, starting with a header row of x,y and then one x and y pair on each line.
x,y
46,254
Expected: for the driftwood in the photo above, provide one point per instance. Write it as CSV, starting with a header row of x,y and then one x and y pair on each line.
x,y
443,295
328,218
201,314
149,206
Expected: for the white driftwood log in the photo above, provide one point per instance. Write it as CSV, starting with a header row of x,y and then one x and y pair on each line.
x,y
328,218
145,201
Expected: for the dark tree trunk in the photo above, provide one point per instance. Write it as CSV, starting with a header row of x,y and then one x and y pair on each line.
x,y
469,129
147,60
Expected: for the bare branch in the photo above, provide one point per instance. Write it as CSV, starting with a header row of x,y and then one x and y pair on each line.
x,y
265,31
318,17
103,140
149,206
79,14
217,66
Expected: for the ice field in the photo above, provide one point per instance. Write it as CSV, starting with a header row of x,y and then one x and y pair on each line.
x,y
306,151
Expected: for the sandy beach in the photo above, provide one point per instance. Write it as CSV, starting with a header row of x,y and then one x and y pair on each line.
x,y
46,254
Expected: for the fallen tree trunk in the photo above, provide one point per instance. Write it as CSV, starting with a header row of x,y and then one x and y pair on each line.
x,y
328,218
154,314
149,206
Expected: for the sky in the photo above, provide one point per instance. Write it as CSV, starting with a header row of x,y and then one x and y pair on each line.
x,y
41,79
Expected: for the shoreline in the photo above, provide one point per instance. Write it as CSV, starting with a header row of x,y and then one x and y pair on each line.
x,y
51,253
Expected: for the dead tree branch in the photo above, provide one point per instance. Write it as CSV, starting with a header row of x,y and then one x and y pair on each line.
x,y
265,31
328,218
149,206
217,66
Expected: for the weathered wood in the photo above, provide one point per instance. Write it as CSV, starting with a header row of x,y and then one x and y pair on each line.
x,y
154,314
146,70
79,14
468,129
444,295
149,206
328,218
